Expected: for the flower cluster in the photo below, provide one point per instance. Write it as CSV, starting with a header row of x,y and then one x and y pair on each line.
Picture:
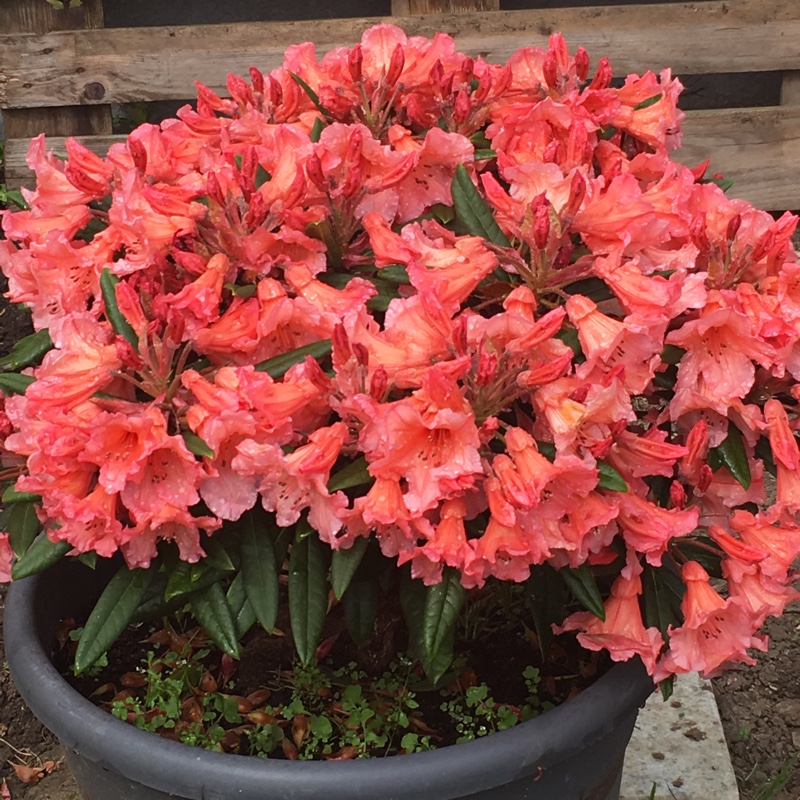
x,y
473,311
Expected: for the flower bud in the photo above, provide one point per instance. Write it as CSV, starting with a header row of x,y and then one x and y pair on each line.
x,y
582,64
240,91
541,225
379,383
396,65
354,181
257,79
213,189
487,367
581,393
341,344
677,494
315,174
706,476
138,154
734,223
275,92
699,234
466,71
361,353
484,87
355,60
602,78
550,69
436,75
462,107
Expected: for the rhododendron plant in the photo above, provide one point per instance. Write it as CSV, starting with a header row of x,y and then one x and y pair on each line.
x,y
413,317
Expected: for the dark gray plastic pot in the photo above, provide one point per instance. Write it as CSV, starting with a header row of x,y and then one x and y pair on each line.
x,y
574,752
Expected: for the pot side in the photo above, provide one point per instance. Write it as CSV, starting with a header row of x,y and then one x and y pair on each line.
x,y
573,752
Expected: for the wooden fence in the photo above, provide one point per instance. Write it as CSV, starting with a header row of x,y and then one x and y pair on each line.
x,y
61,70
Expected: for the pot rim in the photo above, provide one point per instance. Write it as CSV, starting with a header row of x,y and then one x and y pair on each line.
x,y
195,773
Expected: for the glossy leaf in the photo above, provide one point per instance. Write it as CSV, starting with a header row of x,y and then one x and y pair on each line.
x,y
610,479
354,474
194,444
308,595
547,596
312,95
11,495
111,615
27,351
651,101
217,555
186,578
42,554
12,383
472,210
661,604
316,130
442,606
259,571
732,454
22,527
121,326
243,614
344,563
277,366
583,586
361,602
211,610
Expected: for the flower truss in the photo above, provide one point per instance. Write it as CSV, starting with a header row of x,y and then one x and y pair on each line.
x,y
473,312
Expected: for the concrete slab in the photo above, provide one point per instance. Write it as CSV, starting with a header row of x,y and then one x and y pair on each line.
x,y
679,747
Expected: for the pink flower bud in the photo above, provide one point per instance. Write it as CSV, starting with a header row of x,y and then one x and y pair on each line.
x,y
550,69
484,87
361,353
699,234
487,367
355,59
734,224
213,189
240,91
551,151
706,476
275,92
396,65
257,79
315,174
353,181
467,70
436,75
602,78
765,244
677,494
341,344
462,107
379,383
138,154
257,212
581,393
577,191
581,64
541,226
488,429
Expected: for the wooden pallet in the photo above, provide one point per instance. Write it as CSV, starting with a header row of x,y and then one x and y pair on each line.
x,y
58,74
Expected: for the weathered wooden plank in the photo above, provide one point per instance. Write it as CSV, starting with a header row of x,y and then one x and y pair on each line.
x,y
759,148
407,8
121,65
790,88
37,17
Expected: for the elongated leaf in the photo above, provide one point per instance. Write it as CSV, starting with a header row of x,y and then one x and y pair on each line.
x,y
11,383
210,608
121,326
186,578
733,455
27,351
442,606
361,601
22,528
217,555
412,600
472,211
344,563
194,444
242,611
308,595
11,495
354,474
110,616
610,479
546,596
316,130
583,586
661,605
259,570
651,101
39,556
312,95
277,366
395,273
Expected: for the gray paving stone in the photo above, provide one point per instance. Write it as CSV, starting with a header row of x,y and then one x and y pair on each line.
x,y
679,746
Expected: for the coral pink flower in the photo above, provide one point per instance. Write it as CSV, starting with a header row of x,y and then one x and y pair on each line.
x,y
715,632
622,632
778,536
762,595
648,528
6,558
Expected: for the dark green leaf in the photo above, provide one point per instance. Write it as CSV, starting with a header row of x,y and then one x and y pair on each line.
x,y
186,578
259,570
210,608
583,586
121,326
111,615
308,595
242,611
12,383
651,101
595,289
89,559
22,528
194,444
610,479
11,495
27,351
395,273
412,600
277,366
570,338
40,555
667,686
245,291
547,449
472,211
354,474
344,563
487,153
324,232
217,555
442,606
312,95
732,454
661,604
361,601
262,177
763,450
546,596
672,354
316,129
